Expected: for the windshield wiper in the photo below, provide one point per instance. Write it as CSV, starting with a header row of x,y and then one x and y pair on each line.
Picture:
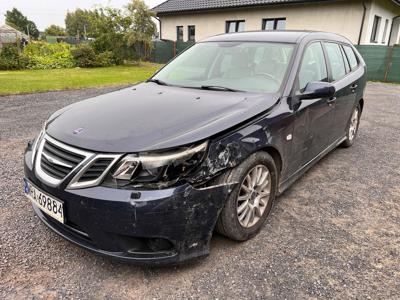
x,y
218,88
158,81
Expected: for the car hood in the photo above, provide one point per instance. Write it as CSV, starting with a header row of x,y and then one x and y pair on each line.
x,y
153,117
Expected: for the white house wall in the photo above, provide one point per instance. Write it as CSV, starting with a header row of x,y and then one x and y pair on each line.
x,y
387,10
343,17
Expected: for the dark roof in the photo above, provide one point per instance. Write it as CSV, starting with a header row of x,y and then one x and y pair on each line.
x,y
171,6
286,36
174,6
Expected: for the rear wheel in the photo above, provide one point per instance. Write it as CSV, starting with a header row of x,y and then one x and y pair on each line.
x,y
250,203
352,129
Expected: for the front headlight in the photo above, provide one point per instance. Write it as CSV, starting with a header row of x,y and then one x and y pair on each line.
x,y
166,167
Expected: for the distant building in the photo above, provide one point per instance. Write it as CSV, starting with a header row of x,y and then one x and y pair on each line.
x,y
10,35
365,22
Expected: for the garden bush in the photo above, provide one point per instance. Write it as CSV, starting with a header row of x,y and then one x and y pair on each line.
x,y
84,56
11,59
104,59
41,55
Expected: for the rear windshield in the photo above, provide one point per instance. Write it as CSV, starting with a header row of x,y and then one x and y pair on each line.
x,y
244,66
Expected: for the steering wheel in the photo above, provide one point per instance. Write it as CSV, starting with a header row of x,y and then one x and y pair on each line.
x,y
269,76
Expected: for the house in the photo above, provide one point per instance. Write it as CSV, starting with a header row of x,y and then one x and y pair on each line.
x,y
369,22
10,35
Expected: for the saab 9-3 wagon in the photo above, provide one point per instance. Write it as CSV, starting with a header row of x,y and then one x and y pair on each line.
x,y
148,173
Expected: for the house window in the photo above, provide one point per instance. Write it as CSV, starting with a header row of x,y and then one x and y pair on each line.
x,y
375,29
385,31
274,24
235,26
179,33
192,33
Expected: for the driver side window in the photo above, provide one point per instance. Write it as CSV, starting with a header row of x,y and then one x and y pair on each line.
x,y
313,66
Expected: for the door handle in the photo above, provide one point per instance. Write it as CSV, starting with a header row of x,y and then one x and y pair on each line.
x,y
331,100
354,87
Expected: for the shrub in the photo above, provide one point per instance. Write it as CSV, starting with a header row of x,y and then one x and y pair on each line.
x,y
10,58
84,56
104,59
41,55
120,51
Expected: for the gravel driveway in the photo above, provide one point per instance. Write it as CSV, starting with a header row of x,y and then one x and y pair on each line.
x,y
333,234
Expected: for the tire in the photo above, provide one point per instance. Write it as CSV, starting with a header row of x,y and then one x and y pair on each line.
x,y
352,128
228,223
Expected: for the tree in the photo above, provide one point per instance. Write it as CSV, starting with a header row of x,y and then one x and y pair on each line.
x,y
16,19
142,28
55,30
33,31
108,29
79,22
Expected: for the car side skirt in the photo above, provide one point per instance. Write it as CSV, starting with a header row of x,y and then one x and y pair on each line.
x,y
284,185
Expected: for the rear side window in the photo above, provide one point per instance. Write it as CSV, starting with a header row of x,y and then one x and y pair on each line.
x,y
351,57
336,60
313,66
346,62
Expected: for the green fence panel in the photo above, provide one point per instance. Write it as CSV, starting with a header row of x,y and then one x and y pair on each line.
x,y
376,59
51,39
394,66
164,50
181,46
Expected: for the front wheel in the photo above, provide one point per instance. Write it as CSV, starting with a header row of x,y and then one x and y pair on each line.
x,y
250,203
352,128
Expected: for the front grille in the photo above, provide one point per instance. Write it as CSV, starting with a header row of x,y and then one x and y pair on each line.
x,y
96,169
58,162
54,170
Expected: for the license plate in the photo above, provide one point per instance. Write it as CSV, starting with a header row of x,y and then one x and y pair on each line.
x,y
48,204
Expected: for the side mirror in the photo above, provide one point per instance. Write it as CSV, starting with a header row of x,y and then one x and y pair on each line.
x,y
315,90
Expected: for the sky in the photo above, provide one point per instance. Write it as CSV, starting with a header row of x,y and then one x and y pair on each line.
x,y
48,12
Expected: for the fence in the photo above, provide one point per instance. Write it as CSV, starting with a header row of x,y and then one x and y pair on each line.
x,y
165,50
383,62
65,39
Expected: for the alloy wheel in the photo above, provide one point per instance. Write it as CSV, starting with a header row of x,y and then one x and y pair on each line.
x,y
353,124
254,196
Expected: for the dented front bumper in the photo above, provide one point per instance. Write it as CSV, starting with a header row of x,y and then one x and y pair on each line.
x,y
147,226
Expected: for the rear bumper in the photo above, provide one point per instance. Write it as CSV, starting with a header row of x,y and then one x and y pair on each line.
x,y
150,227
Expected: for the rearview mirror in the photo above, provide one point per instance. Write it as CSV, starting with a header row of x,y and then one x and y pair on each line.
x,y
315,90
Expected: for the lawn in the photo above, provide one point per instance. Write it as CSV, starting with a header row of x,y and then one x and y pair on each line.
x,y
30,81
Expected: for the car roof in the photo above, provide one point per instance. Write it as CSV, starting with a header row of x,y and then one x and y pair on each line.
x,y
284,36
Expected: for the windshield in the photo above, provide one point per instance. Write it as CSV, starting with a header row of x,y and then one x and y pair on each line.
x,y
243,66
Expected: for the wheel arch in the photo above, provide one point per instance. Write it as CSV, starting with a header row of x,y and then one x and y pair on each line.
x,y
361,102
276,156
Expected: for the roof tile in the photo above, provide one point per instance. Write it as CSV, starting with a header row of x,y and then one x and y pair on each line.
x,y
170,6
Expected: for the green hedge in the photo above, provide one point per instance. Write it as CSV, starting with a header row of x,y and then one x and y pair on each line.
x,y
85,57
10,58
41,55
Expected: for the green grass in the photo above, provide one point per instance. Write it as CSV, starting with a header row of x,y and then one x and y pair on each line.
x,y
31,81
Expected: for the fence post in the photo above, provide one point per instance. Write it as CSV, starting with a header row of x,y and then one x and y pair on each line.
x,y
174,49
389,63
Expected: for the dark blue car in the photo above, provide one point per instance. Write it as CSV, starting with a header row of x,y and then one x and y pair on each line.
x,y
147,173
